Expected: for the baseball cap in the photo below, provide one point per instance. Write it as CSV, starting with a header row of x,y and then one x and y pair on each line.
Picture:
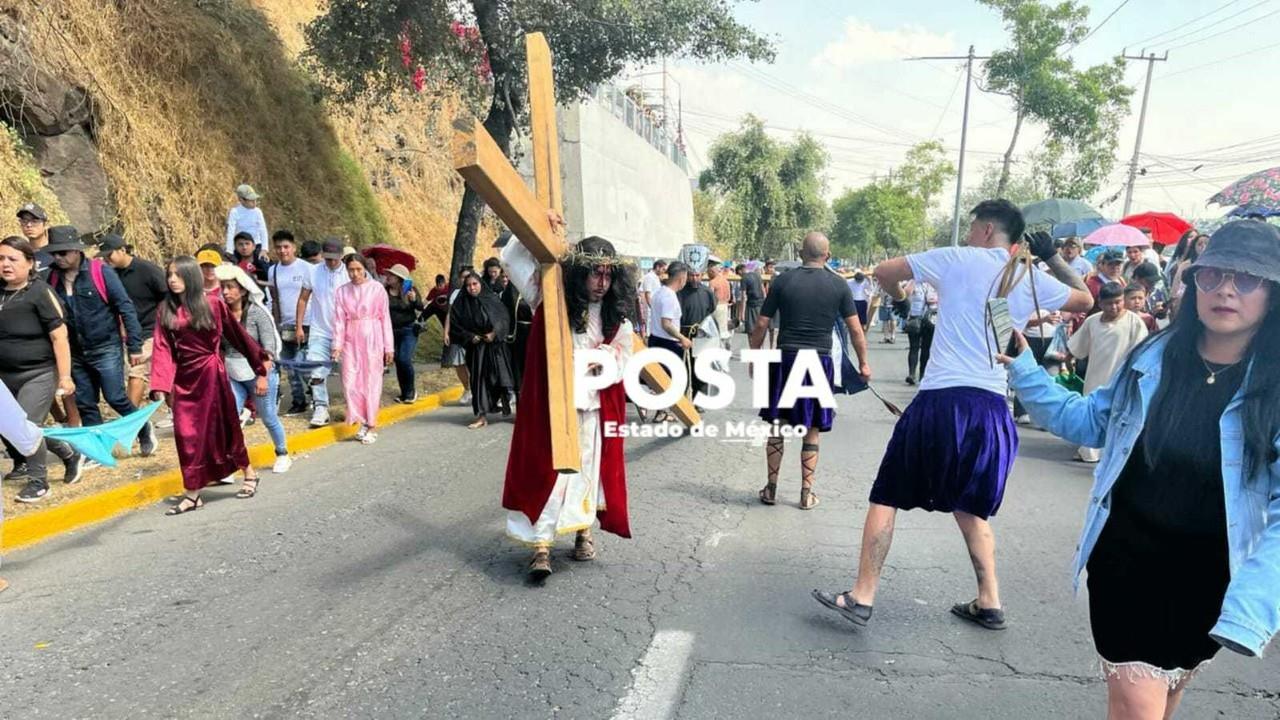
x,y
209,257
109,244
35,210
246,192
1111,256
331,249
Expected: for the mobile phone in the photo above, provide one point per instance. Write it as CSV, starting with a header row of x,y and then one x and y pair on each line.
x,y
1001,324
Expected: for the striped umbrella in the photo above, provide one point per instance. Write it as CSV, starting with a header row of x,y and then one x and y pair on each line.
x,y
1261,189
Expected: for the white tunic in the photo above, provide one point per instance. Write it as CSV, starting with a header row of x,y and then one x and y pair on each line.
x,y
576,497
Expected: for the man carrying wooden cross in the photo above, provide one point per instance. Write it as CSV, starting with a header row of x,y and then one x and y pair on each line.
x,y
562,471
542,502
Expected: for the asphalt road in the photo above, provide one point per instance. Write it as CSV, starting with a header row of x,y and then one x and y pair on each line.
x,y
376,582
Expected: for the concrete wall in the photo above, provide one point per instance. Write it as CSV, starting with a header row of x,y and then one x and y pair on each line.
x,y
618,186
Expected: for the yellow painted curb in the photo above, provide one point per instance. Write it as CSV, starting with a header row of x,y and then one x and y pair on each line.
x,y
44,524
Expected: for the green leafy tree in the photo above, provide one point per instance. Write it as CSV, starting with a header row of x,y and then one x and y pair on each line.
x,y
769,192
892,214
360,47
1081,110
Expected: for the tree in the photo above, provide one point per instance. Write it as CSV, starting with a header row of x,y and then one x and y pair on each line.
x,y
1081,110
892,214
361,47
769,192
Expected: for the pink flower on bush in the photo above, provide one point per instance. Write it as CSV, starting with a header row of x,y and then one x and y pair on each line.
x,y
419,79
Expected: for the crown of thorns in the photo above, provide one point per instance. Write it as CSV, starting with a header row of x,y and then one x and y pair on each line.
x,y
574,257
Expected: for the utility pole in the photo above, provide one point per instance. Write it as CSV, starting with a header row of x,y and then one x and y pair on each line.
x,y
964,131
1142,119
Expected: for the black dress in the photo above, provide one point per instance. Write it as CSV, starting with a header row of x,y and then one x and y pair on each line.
x,y
1160,568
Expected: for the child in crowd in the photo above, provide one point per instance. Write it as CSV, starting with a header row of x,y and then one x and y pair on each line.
x,y
1135,301
1105,339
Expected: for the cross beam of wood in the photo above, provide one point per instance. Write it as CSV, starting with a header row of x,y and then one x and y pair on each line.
x,y
480,161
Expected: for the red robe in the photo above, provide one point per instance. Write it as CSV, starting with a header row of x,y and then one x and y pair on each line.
x,y
187,364
530,475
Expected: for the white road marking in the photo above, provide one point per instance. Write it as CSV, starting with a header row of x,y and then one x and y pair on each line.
x,y
656,681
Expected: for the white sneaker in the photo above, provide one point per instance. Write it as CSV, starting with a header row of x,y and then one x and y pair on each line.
x,y
282,464
364,430
246,417
369,438
320,417
1023,419
465,399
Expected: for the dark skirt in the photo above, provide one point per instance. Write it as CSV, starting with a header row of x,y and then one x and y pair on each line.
x,y
752,312
492,379
1155,601
951,450
861,305
806,411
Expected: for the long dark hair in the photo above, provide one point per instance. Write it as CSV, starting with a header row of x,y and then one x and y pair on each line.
x,y
1182,368
614,306
199,315
1187,240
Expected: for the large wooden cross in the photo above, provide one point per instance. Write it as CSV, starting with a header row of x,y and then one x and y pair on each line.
x,y
481,163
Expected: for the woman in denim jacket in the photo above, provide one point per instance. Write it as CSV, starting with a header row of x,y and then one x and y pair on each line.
x,y
1182,533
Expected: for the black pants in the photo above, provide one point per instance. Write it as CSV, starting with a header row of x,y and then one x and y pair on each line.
x,y
920,339
34,391
1038,345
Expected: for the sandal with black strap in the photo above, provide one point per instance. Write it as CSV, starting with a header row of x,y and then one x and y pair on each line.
x,y
186,505
769,494
584,547
989,618
851,610
540,566
246,490
808,499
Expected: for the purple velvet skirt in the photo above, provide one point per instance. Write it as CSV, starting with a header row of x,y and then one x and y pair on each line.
x,y
806,411
951,450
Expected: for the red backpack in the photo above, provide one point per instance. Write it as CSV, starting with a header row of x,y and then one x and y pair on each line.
x,y
95,273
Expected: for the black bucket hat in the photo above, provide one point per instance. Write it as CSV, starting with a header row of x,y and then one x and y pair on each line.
x,y
1246,246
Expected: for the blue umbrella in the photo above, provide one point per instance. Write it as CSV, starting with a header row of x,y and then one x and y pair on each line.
x,y
1078,228
1246,210
1057,210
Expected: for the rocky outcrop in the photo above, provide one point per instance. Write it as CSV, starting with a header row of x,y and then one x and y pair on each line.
x,y
56,119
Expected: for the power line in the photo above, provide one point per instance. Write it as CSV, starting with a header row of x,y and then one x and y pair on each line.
x,y
1225,59
1233,28
1197,18
1219,21
1098,27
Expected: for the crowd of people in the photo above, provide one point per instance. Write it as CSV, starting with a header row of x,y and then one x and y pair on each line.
x,y
225,337
1160,370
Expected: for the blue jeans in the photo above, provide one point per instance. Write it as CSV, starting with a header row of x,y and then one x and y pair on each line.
x,y
297,386
100,372
320,349
406,344
268,407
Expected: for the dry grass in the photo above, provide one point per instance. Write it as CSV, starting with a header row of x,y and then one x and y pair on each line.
x,y
20,183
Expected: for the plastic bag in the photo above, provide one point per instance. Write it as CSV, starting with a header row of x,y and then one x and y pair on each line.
x,y
1070,381
1057,350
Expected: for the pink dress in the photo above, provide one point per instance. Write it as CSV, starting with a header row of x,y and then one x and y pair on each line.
x,y
362,331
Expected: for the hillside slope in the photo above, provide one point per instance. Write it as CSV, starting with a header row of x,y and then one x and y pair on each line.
x,y
189,98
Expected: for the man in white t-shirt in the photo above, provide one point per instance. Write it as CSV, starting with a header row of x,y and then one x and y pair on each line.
x,y
953,448
319,292
649,285
285,281
1071,250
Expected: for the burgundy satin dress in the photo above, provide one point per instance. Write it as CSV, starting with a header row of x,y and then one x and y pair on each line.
x,y
186,364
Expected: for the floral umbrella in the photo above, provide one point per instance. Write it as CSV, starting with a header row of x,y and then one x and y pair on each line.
x,y
1260,189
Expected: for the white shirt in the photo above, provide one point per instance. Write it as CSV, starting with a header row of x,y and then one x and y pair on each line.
x,y
323,284
965,277
859,289
250,220
650,284
922,298
1081,265
665,305
288,280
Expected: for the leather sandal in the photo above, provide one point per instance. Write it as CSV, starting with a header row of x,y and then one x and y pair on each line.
x,y
584,547
808,499
769,494
247,491
184,507
540,566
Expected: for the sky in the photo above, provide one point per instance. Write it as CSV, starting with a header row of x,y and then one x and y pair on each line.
x,y
841,74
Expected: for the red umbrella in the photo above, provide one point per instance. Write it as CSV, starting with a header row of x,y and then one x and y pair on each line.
x,y
1165,228
384,256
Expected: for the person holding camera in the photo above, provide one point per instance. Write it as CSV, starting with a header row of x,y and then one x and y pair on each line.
x,y
406,307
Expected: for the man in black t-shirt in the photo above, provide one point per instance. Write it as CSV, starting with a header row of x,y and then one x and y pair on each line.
x,y
752,289
809,301
146,285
